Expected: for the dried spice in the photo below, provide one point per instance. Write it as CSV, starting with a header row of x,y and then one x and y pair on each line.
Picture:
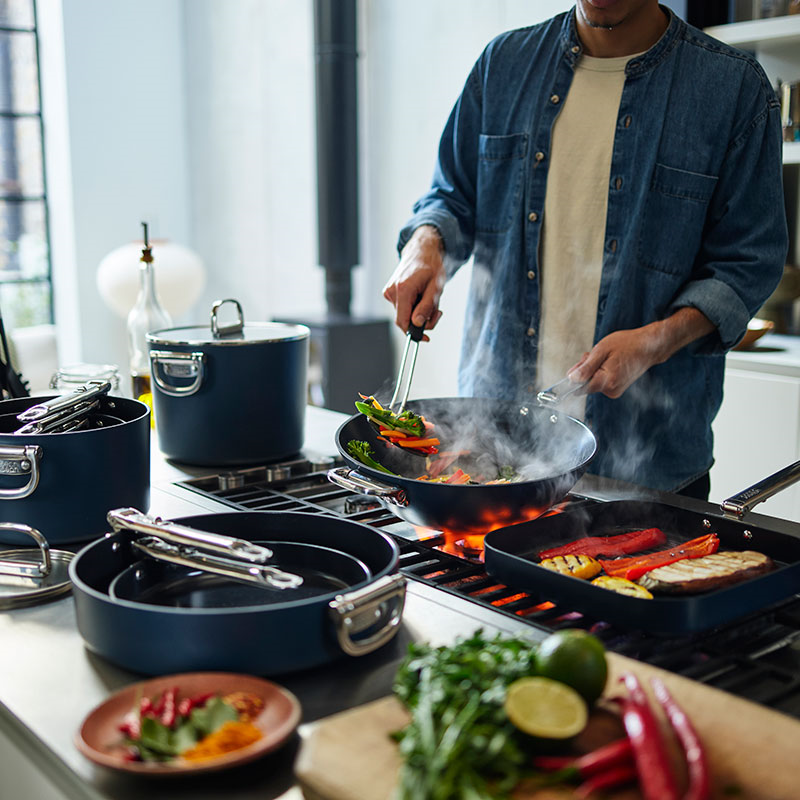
x,y
231,736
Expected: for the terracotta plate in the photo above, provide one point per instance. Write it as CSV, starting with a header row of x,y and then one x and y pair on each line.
x,y
100,741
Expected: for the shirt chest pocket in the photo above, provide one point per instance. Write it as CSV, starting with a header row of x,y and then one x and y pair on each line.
x,y
674,218
501,168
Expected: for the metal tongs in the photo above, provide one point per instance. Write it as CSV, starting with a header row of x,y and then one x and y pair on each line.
x,y
67,412
414,334
179,544
558,392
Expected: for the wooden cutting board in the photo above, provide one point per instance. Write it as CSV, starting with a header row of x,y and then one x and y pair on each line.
x,y
754,752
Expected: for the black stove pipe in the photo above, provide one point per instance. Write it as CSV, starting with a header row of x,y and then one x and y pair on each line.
x,y
337,147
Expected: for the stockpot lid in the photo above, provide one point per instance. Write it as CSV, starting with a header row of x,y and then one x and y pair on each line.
x,y
232,334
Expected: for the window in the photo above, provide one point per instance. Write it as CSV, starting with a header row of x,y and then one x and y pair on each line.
x,y
25,276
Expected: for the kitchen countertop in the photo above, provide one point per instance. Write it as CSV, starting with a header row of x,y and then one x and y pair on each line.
x,y
775,353
50,681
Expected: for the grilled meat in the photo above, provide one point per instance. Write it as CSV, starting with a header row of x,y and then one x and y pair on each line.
x,y
706,573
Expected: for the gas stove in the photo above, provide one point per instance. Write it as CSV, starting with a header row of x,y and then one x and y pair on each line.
x,y
757,657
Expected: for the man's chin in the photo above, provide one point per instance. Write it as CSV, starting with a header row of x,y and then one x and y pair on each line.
x,y
600,13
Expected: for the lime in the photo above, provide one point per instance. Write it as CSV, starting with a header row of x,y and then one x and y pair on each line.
x,y
576,658
545,708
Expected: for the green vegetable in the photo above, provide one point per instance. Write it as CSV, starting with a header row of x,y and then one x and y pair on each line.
x,y
362,452
406,420
158,742
460,742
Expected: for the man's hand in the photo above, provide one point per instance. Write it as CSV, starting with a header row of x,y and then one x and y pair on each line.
x,y
416,285
618,359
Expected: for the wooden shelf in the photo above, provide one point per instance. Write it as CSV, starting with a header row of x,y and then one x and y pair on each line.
x,y
760,34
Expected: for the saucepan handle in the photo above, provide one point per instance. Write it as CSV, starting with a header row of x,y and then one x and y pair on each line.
x,y
20,460
24,568
361,609
356,482
741,503
177,365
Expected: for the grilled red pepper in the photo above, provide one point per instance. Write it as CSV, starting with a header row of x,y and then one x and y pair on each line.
x,y
696,762
656,778
616,776
604,758
636,566
620,544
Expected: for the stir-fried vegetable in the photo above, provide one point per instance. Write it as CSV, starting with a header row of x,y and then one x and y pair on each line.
x,y
362,452
406,421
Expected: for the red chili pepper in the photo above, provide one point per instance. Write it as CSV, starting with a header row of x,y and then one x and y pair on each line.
x,y
157,706
636,566
169,712
187,704
616,776
145,706
619,544
604,758
131,725
699,774
656,778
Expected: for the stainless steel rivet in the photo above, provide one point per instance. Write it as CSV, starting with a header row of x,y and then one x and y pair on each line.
x,y
706,523
748,534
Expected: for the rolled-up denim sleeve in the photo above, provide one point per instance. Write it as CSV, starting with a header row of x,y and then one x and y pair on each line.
x,y
449,205
745,242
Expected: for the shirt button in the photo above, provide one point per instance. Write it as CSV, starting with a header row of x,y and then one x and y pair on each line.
x,y
531,274
618,183
612,245
628,121
554,98
576,49
602,306
531,331
539,156
533,216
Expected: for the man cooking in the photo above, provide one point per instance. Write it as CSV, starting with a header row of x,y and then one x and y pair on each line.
x,y
616,176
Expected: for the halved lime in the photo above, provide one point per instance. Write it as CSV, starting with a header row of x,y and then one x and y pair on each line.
x,y
545,708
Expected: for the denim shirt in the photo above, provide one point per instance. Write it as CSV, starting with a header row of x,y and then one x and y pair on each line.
x,y
695,218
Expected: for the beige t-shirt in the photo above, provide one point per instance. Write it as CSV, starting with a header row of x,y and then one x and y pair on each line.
x,y
574,221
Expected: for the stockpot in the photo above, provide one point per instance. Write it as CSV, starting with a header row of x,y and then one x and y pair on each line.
x,y
229,394
63,484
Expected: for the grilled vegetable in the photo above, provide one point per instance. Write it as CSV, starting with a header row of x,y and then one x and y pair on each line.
x,y
578,566
633,568
362,452
707,573
620,544
406,421
623,586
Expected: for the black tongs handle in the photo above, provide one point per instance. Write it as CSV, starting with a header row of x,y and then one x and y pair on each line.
x,y
414,334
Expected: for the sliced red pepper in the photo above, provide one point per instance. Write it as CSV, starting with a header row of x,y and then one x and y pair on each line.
x,y
633,568
697,764
656,779
619,544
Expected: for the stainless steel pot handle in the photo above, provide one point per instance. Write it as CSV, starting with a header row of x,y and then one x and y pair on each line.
x,y
19,460
24,568
178,365
235,328
134,520
361,609
356,482
741,503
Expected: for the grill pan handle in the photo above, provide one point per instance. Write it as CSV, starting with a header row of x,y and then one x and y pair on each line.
x,y
134,520
359,610
356,482
741,503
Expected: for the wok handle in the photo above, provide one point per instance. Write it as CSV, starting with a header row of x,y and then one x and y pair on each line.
x,y
134,520
359,610
178,365
356,482
741,503
19,460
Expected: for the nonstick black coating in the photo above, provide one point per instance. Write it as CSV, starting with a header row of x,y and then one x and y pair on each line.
x,y
323,570
552,450
511,556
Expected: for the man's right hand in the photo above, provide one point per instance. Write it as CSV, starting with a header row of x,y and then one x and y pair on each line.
x,y
416,284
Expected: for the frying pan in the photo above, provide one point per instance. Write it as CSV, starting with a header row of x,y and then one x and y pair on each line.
x,y
550,450
269,638
322,569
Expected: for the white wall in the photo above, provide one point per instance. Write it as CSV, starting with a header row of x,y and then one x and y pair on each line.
x,y
198,115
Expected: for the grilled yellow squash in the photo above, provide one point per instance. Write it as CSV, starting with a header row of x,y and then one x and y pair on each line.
x,y
577,566
623,586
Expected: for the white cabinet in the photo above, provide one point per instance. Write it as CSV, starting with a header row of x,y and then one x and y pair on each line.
x,y
757,431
